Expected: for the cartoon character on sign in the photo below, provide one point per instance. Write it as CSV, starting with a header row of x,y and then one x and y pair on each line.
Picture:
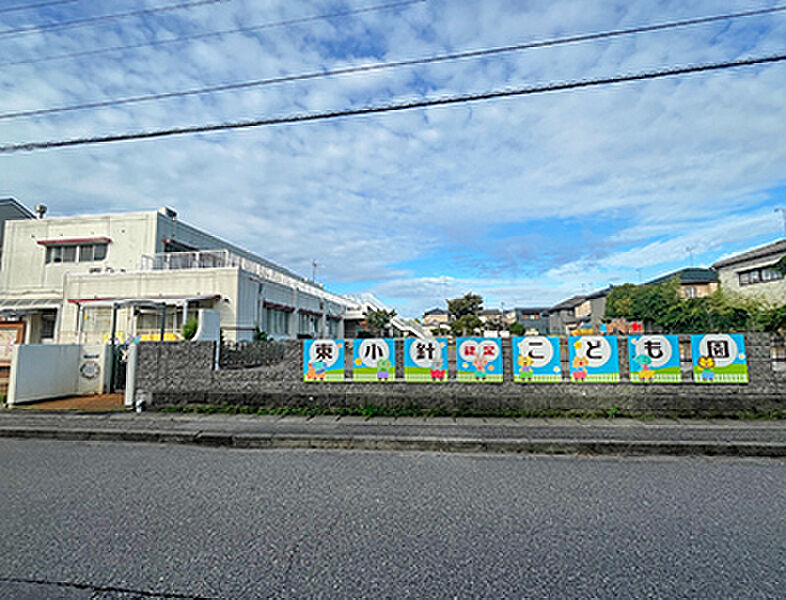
x,y
706,364
525,367
436,372
480,363
646,374
383,369
579,372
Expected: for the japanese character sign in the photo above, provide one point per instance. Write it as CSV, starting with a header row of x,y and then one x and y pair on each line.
x,y
654,359
594,358
536,359
719,358
323,360
426,360
374,360
479,359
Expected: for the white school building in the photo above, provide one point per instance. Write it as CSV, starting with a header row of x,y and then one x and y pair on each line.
x,y
66,277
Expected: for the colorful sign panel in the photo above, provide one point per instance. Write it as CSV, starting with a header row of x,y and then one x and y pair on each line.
x,y
323,360
479,359
719,358
594,359
536,359
426,360
374,359
654,359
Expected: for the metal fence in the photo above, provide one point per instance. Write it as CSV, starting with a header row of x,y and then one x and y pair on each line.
x,y
247,355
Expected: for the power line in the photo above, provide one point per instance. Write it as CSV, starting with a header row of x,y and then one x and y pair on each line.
x,y
378,66
39,5
196,36
322,116
102,18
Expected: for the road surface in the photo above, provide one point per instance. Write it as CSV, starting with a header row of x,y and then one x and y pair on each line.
x,y
108,521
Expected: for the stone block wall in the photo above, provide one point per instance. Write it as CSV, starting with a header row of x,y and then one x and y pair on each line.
x,y
184,373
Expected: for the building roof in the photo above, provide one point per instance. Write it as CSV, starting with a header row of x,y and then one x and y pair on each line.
x,y
775,248
11,209
599,293
491,311
572,302
435,311
532,310
689,275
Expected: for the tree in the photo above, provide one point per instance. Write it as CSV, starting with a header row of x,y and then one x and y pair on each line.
x,y
517,328
463,313
190,328
379,320
469,304
465,324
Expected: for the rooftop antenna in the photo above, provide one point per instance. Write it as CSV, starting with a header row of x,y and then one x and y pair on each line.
x,y
690,253
314,266
783,213
40,210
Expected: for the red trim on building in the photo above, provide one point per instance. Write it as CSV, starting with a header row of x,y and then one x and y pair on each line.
x,y
334,317
69,241
274,305
81,300
313,313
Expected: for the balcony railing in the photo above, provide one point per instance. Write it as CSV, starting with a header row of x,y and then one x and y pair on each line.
x,y
216,259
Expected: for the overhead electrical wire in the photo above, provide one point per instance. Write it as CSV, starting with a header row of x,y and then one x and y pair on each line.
x,y
415,104
380,66
102,18
22,7
196,36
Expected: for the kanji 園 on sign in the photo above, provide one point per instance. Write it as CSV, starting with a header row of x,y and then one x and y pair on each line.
x,y
323,360
719,358
594,359
536,359
654,359
374,360
479,359
426,360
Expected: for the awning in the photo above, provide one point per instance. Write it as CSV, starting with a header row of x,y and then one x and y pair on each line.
x,y
27,305
142,301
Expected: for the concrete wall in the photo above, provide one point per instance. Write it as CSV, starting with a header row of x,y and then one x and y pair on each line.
x,y
40,372
182,373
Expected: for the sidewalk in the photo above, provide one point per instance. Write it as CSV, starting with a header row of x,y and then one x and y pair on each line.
x,y
577,436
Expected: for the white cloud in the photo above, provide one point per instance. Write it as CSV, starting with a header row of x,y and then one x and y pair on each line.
x,y
667,164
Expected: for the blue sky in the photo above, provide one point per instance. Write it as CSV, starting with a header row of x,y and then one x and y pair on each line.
x,y
526,200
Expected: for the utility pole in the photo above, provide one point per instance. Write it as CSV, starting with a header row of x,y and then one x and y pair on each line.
x,y
783,214
314,266
690,253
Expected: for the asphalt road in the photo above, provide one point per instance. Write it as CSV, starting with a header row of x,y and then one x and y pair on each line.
x,y
119,521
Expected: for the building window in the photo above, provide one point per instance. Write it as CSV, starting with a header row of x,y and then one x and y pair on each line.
x,y
761,275
277,322
690,291
308,324
332,328
68,253
48,319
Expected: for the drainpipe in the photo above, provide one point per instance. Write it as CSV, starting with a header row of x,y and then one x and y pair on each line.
x,y
112,349
163,321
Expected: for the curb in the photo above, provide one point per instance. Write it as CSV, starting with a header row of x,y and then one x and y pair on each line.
x,y
428,444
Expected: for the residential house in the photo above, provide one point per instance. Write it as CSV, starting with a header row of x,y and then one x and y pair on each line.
x,y
562,316
533,319
753,273
694,282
